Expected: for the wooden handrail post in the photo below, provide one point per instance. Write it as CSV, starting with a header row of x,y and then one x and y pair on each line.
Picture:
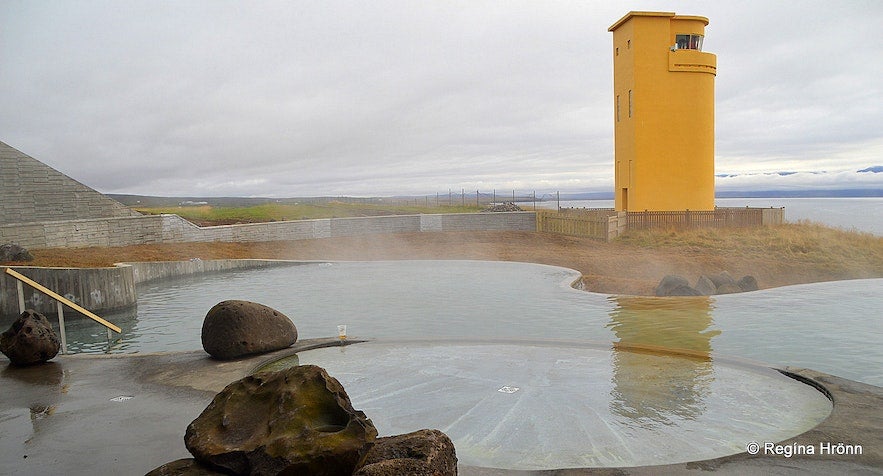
x,y
61,331
21,296
39,287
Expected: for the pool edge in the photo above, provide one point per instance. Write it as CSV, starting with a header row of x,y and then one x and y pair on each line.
x,y
855,419
193,376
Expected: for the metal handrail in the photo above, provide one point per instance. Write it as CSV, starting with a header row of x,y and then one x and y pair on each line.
x,y
60,300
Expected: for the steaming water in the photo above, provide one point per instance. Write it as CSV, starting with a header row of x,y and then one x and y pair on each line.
x,y
532,407
859,213
573,392
832,327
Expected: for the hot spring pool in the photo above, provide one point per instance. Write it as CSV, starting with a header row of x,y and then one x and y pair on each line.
x,y
523,371
549,405
831,327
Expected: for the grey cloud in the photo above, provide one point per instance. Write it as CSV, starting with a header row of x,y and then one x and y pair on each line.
x,y
289,98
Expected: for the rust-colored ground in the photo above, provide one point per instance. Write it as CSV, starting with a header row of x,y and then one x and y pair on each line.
x,y
616,268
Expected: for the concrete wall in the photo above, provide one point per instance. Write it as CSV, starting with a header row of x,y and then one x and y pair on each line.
x,y
103,290
96,289
88,232
154,270
31,191
174,229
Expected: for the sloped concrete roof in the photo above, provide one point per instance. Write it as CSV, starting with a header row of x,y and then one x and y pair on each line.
x,y
31,191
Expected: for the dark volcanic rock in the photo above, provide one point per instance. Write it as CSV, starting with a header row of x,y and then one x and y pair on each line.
x,y
30,340
13,252
670,282
747,283
672,285
729,288
705,286
184,467
421,453
297,421
234,328
684,291
722,279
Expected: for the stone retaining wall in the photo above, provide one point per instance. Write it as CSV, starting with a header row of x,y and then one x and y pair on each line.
x,y
103,290
31,192
107,289
96,289
82,233
174,229
153,270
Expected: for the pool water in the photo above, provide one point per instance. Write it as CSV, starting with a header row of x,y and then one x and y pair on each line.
x,y
523,371
832,327
547,405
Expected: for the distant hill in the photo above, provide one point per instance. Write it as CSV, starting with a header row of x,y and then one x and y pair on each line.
x,y
851,192
875,169
150,201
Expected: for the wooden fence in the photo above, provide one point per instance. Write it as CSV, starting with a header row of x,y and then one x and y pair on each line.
x,y
717,218
607,224
588,223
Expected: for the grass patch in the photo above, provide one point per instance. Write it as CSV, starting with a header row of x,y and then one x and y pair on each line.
x,y
805,241
210,215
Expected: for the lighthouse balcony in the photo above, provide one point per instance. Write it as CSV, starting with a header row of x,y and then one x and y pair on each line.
x,y
692,61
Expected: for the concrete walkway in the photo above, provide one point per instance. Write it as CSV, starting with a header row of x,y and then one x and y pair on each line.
x,y
88,414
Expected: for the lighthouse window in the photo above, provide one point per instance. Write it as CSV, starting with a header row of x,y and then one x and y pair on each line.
x,y
630,103
688,42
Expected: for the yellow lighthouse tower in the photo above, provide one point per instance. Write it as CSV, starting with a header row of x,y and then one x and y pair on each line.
x,y
663,86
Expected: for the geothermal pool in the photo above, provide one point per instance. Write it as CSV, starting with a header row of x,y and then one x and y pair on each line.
x,y
831,327
525,372
549,405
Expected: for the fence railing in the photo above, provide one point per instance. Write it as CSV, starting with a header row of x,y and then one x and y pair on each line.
x,y
606,224
61,301
717,218
587,223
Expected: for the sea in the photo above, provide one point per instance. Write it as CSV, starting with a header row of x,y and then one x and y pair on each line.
x,y
864,214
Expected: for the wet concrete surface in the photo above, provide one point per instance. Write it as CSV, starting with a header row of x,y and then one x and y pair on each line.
x,y
101,414
89,414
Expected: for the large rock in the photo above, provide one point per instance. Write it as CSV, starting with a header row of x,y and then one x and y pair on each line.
x,y
747,283
421,453
684,291
12,252
30,340
297,421
672,285
670,282
184,467
706,286
234,328
722,279
729,288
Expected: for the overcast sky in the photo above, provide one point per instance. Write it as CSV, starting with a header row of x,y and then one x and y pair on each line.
x,y
297,98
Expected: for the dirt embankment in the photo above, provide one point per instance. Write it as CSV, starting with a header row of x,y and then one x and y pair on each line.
x,y
615,268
